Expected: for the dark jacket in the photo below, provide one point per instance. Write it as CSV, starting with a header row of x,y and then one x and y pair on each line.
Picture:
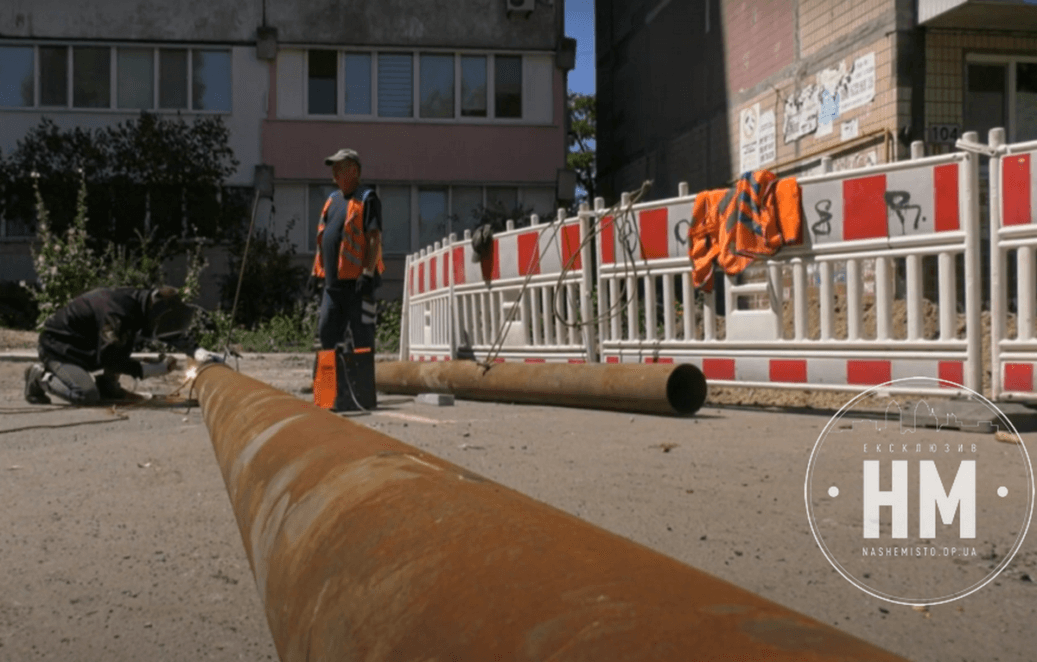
x,y
98,330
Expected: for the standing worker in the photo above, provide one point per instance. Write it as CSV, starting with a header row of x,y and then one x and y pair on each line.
x,y
349,256
97,331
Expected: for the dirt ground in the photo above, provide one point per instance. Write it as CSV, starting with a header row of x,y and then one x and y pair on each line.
x,y
117,540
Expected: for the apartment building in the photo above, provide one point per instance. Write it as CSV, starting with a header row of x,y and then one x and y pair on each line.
x,y
451,106
700,90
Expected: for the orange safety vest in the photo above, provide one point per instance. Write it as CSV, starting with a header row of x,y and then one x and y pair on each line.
x,y
353,248
755,217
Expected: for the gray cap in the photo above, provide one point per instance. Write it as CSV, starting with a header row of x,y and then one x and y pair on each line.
x,y
343,155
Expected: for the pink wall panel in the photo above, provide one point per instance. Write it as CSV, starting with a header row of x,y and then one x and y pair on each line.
x,y
416,152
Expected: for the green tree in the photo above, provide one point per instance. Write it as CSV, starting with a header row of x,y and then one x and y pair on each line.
x,y
582,144
152,175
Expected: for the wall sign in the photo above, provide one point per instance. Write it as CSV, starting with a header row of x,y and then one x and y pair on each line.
x,y
943,134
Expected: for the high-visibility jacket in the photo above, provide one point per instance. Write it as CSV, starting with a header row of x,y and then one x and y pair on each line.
x,y
732,227
353,248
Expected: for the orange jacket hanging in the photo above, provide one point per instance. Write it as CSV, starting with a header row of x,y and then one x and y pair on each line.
x,y
753,218
352,249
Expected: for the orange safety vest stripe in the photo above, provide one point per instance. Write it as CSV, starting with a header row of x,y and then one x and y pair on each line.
x,y
731,227
353,247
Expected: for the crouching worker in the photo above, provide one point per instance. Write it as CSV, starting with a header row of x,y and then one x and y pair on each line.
x,y
96,332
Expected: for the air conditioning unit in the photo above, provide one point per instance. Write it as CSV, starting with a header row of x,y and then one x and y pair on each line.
x,y
520,6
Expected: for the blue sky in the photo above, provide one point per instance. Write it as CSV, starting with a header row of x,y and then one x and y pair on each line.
x,y
579,24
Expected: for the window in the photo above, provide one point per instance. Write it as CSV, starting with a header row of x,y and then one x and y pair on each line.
x,y
502,199
210,80
432,215
395,85
395,219
1001,92
437,86
1025,101
467,201
985,106
136,77
541,201
17,76
53,76
507,83
119,77
91,77
323,67
318,194
172,78
422,86
358,83
473,86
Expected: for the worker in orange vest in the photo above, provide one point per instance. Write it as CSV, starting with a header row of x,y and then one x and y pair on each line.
x,y
349,255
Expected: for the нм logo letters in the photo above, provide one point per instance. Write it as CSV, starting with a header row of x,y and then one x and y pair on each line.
x,y
911,499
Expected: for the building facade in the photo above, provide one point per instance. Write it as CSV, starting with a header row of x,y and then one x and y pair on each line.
x,y
451,106
701,90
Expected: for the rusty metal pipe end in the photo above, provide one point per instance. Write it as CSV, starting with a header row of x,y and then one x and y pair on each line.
x,y
686,389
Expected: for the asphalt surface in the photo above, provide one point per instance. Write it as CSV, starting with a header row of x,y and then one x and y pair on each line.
x,y
117,541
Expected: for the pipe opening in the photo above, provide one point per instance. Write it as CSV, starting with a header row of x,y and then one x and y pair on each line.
x,y
686,389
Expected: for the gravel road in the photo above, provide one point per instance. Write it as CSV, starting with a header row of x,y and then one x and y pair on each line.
x,y
117,541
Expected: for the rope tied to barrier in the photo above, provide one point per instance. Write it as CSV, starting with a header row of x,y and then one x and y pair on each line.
x,y
624,221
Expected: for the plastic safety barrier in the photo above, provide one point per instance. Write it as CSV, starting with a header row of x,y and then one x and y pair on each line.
x,y
1013,232
514,303
885,284
843,310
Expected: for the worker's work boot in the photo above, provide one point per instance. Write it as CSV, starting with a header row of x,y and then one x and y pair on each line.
x,y
109,388
34,392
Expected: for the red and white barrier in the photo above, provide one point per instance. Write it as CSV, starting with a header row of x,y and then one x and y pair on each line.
x,y
875,224
505,302
880,220
1013,231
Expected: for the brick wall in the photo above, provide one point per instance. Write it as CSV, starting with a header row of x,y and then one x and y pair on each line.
x,y
825,22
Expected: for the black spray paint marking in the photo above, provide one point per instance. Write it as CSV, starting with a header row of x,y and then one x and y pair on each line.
x,y
897,201
680,231
823,227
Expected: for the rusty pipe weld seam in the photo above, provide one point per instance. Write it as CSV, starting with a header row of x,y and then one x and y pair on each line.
x,y
364,548
644,388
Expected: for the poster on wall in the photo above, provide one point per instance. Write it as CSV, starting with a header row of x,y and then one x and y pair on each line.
x,y
748,132
801,113
857,88
828,111
836,91
766,137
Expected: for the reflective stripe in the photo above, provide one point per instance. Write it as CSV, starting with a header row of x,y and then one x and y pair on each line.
x,y
352,259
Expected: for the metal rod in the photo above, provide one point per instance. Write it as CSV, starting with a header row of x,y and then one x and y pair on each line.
x,y
645,388
364,548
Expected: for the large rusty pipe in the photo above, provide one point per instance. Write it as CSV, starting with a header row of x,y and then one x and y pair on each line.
x,y
645,388
364,548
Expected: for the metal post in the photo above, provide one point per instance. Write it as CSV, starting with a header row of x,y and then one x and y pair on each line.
x,y
365,548
998,297
405,312
590,341
973,280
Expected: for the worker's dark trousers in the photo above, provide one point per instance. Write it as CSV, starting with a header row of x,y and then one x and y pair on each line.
x,y
339,310
76,385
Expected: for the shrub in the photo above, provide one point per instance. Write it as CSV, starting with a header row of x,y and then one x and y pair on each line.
x,y
272,283
387,335
66,266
